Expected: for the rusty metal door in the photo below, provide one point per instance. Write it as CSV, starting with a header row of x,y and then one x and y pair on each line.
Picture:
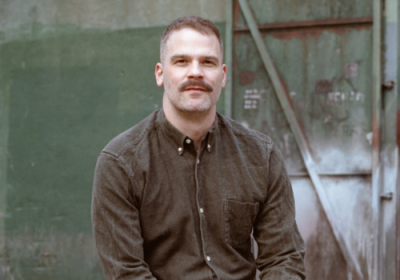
x,y
303,73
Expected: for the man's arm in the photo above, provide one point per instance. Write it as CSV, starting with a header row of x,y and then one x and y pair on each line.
x,y
115,221
280,246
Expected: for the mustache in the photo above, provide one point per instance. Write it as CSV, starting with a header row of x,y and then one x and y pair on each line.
x,y
195,83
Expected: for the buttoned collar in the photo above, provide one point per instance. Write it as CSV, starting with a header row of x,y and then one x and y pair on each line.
x,y
181,141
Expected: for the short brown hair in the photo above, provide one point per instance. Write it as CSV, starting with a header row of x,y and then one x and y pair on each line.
x,y
199,24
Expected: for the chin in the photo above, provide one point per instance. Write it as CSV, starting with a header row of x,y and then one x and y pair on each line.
x,y
203,107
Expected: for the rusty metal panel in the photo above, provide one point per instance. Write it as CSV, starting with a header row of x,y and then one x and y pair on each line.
x,y
352,262
324,61
286,11
329,89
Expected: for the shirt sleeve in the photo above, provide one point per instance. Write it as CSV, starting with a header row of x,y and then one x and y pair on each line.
x,y
115,221
280,246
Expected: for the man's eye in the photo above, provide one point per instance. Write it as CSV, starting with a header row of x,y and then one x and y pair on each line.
x,y
209,62
181,61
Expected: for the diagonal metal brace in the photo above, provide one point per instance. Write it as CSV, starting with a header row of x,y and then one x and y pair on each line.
x,y
300,139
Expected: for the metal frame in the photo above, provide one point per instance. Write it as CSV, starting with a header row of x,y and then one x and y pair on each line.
x,y
300,139
397,261
398,155
311,24
376,137
228,58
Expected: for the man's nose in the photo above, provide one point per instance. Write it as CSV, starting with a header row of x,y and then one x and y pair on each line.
x,y
195,70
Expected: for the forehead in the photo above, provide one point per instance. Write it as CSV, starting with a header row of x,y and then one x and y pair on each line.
x,y
188,40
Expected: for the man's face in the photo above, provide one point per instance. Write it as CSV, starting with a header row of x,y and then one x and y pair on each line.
x,y
191,71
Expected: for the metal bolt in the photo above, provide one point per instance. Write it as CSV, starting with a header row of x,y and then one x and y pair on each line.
x,y
387,195
388,85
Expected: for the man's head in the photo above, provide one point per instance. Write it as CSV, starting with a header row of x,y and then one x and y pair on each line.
x,y
201,25
191,68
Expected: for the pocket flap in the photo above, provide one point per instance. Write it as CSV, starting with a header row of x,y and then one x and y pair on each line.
x,y
241,210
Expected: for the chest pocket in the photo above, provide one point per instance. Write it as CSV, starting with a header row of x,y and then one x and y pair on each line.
x,y
239,220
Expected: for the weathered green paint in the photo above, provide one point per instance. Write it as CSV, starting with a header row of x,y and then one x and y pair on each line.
x,y
4,125
330,124
326,73
302,144
272,11
18,17
63,97
228,57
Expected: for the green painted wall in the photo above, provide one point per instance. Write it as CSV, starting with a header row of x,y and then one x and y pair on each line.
x,y
63,95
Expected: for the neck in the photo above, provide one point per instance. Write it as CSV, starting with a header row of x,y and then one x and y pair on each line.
x,y
193,124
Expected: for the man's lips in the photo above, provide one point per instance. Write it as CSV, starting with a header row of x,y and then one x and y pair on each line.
x,y
197,85
195,88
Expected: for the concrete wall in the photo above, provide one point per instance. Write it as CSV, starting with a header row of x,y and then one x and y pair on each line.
x,y
73,74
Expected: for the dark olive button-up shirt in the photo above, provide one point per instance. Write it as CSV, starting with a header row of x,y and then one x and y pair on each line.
x,y
162,210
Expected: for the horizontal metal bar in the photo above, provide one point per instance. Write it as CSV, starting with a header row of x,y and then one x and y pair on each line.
x,y
340,22
334,174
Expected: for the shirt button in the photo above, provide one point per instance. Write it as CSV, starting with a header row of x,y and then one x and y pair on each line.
x,y
180,149
198,161
201,210
208,258
209,146
188,141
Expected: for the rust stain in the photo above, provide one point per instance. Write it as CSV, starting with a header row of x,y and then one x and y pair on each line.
x,y
298,34
306,29
236,13
246,78
398,128
314,32
327,24
323,86
319,23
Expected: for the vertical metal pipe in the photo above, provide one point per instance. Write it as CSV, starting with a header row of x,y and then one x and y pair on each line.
x,y
228,57
398,150
376,123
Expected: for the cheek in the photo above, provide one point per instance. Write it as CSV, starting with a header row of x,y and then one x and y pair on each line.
x,y
218,80
173,78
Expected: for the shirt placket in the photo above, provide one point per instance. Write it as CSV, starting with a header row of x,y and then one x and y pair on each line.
x,y
201,208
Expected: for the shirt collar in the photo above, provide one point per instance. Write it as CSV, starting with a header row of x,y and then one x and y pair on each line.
x,y
181,141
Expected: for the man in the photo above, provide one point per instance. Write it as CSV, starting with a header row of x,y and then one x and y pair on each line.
x,y
178,195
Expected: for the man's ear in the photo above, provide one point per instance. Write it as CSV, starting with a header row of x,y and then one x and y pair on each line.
x,y
224,75
159,74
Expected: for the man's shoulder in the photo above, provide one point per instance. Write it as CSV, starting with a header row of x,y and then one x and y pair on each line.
x,y
243,132
131,138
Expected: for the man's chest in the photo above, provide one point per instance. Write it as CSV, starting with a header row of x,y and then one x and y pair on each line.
x,y
215,189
